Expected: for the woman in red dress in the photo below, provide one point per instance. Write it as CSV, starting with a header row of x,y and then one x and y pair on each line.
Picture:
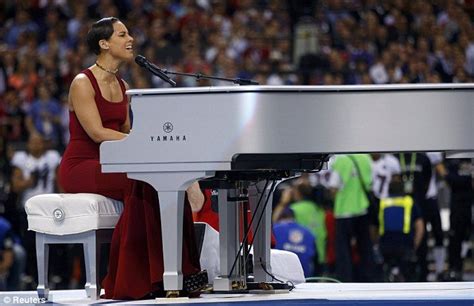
x,y
99,111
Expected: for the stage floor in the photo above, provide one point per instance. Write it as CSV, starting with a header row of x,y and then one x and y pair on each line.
x,y
448,293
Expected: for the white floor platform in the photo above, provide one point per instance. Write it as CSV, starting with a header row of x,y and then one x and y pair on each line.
x,y
454,293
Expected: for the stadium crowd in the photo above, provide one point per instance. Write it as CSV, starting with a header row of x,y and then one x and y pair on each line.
x,y
326,42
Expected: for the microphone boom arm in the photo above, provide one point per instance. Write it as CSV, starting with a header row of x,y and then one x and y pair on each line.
x,y
163,73
200,76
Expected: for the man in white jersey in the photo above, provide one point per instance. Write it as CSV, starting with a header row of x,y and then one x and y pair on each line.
x,y
321,178
319,181
34,173
384,166
34,170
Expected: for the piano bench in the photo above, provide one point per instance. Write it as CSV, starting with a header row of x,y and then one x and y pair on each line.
x,y
83,218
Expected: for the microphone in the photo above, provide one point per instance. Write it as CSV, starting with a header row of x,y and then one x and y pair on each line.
x,y
142,61
245,82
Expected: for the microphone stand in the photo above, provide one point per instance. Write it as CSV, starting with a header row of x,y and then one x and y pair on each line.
x,y
200,76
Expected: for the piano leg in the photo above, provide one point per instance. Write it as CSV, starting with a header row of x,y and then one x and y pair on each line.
x,y
228,242
171,189
172,212
262,238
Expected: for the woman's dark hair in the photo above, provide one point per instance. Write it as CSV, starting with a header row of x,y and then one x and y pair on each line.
x,y
102,29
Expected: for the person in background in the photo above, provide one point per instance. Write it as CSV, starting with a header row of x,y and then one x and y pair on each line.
x,y
7,257
348,173
312,216
416,175
34,173
383,167
13,257
460,177
401,231
44,116
293,237
438,170
15,121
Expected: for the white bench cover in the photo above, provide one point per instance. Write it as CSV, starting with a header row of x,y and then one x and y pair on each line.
x,y
68,213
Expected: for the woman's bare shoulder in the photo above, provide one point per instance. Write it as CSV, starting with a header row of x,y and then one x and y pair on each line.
x,y
80,90
82,81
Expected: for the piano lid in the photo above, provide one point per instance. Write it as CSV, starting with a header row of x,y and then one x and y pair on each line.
x,y
265,88
209,125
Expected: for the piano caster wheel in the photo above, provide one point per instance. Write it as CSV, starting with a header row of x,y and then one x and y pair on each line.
x,y
171,294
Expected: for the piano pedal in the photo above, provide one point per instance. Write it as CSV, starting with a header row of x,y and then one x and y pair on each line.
x,y
268,287
265,286
238,285
171,294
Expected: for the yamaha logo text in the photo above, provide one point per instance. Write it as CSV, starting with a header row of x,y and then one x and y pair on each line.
x,y
167,136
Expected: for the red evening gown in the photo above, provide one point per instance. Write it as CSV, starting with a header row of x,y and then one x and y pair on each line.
x,y
136,257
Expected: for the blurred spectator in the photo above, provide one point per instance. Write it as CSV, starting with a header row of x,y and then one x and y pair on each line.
x,y
8,64
44,116
434,216
10,246
34,172
64,123
310,215
422,29
383,168
401,231
14,122
348,172
379,71
53,44
21,24
77,20
293,237
416,175
7,257
460,179
24,79
5,174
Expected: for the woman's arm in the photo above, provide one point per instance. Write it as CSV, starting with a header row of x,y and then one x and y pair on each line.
x,y
81,96
125,128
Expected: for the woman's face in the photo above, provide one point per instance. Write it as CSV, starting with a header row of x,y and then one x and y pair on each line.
x,y
121,43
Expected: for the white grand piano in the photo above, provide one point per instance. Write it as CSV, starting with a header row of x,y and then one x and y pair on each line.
x,y
188,134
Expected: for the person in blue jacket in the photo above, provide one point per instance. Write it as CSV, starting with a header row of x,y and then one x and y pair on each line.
x,y
12,257
293,237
